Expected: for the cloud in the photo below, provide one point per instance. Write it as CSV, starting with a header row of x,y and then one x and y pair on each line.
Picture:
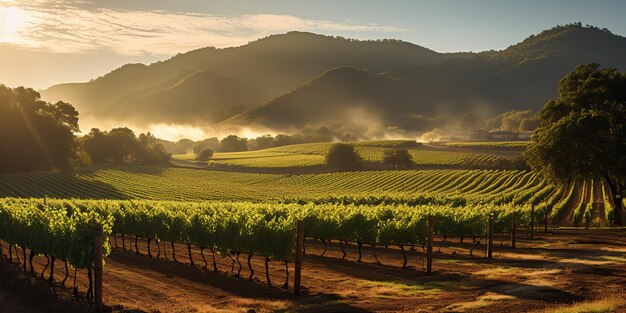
x,y
65,27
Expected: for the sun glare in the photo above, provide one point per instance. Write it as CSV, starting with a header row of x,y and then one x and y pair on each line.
x,y
11,19
177,132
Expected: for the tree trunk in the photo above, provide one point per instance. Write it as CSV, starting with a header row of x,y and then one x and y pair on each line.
x,y
189,251
30,260
51,278
250,255
267,271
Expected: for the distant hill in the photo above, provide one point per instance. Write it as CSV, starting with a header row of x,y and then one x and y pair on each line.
x,y
285,82
277,64
342,95
523,76
197,98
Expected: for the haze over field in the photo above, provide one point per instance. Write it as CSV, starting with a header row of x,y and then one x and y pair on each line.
x,y
312,156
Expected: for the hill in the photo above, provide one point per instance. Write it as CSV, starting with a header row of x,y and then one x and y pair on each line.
x,y
315,80
411,97
277,63
348,95
200,97
523,76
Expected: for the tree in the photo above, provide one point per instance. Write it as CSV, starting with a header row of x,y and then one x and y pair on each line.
x,y
398,158
233,143
34,134
212,143
150,150
342,156
120,145
583,131
261,142
205,155
183,146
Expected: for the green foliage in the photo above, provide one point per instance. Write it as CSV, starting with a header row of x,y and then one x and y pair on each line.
x,y
64,231
398,158
34,134
157,183
120,145
583,131
263,229
342,156
233,143
490,145
205,155
210,143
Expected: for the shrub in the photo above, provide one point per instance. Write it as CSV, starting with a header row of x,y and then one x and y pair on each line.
x,y
204,155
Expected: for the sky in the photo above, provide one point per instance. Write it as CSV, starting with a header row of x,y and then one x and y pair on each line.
x,y
46,42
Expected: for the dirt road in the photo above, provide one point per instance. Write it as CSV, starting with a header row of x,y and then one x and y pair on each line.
x,y
561,267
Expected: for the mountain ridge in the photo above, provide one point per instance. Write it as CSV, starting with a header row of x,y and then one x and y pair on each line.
x,y
399,80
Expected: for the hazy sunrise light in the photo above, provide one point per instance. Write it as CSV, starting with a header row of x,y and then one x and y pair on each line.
x,y
260,156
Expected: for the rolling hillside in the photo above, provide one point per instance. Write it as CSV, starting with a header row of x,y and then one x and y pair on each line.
x,y
276,63
200,97
342,95
411,97
319,80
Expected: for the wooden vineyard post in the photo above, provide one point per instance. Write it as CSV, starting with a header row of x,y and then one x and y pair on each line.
x,y
299,245
514,233
532,222
490,237
97,267
429,247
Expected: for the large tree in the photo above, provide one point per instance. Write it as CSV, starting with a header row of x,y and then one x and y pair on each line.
x,y
120,145
399,158
34,134
583,132
343,157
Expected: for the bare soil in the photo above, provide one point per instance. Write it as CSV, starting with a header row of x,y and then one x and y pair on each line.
x,y
560,267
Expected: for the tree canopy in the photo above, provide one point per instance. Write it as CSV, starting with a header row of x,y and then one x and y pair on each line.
x,y
205,154
121,145
342,156
233,143
582,133
34,134
399,158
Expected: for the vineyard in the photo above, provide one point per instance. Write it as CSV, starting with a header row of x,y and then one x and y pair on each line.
x,y
244,224
490,145
160,183
63,229
312,154
155,183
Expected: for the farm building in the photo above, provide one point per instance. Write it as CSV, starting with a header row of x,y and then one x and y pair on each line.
x,y
502,135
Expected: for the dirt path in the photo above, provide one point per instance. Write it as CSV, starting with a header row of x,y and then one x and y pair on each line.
x,y
560,267
11,302
568,218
